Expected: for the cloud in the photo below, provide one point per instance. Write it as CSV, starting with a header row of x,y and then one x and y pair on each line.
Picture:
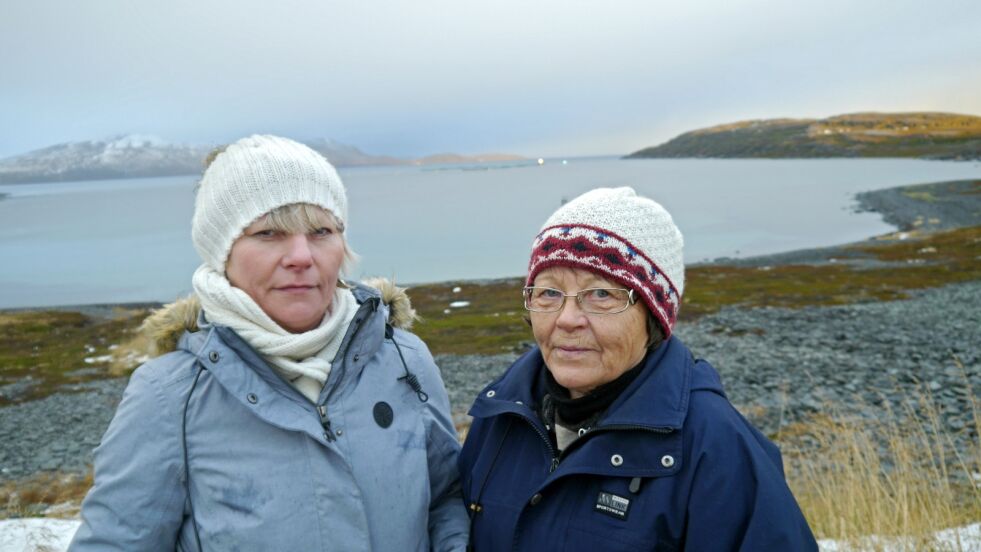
x,y
434,75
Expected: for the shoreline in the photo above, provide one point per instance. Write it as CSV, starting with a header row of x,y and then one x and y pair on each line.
x,y
916,208
919,208
781,362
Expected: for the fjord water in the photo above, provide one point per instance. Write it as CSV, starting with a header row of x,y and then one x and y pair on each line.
x,y
129,240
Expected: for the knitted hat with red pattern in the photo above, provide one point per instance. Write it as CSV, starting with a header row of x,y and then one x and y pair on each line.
x,y
624,238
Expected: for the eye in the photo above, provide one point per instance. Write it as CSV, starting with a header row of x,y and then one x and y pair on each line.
x,y
601,293
323,231
548,292
264,234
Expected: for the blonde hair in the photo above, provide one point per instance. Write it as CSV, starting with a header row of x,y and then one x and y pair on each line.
x,y
303,218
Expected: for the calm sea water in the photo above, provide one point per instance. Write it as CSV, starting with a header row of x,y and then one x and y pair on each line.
x,y
129,240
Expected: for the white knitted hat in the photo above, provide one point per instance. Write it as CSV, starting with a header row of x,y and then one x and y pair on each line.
x,y
623,237
253,177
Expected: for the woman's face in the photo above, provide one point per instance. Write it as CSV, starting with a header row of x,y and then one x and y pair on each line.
x,y
584,351
292,277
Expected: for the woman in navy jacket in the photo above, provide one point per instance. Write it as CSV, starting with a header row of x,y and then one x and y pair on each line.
x,y
609,435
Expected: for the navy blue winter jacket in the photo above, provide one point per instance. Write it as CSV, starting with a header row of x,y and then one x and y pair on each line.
x,y
671,465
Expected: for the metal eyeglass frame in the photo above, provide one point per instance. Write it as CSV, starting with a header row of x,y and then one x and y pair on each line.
x,y
631,299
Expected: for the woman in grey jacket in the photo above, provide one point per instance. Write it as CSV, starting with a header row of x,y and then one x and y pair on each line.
x,y
293,412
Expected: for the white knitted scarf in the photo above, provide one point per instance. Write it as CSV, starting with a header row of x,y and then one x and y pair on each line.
x,y
303,359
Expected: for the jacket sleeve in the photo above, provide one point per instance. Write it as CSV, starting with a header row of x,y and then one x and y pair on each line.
x,y
739,499
137,500
449,526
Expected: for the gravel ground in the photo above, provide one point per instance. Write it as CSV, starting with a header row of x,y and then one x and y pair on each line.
x,y
778,365
57,432
936,206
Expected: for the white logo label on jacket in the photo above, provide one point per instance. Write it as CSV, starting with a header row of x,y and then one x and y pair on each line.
x,y
612,505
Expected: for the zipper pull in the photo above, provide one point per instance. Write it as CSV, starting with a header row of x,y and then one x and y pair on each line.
x,y
555,464
325,423
635,485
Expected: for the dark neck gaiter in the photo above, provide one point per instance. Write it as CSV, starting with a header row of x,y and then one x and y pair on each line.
x,y
575,411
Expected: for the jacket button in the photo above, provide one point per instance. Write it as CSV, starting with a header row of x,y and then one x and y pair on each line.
x,y
213,356
535,499
252,397
357,358
667,460
616,460
491,393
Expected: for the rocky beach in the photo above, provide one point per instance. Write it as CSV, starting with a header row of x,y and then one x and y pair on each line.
x,y
780,364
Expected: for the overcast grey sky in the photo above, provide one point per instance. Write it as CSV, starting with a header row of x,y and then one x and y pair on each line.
x,y
535,77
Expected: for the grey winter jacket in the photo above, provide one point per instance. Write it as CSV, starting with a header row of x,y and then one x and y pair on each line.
x,y
264,469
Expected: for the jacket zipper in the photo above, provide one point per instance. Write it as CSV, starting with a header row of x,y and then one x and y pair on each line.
x,y
325,423
548,443
322,409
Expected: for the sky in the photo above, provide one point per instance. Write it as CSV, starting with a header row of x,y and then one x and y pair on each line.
x,y
532,77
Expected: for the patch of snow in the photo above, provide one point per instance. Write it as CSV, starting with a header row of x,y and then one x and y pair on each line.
x,y
459,304
457,289
136,141
98,360
36,534
54,535
966,539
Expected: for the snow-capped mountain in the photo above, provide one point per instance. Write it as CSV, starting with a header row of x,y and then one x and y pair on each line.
x,y
137,156
128,156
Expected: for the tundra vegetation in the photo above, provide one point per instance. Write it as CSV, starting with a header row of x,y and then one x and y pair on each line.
x,y
918,135
896,475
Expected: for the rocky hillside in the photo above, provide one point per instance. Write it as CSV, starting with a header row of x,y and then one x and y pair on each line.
x,y
922,135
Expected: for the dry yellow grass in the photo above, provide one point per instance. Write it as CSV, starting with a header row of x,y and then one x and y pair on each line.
x,y
897,476
37,495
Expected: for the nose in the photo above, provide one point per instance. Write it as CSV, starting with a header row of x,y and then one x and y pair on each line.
x,y
298,253
571,315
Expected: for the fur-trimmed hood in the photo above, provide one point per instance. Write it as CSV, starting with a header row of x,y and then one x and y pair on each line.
x,y
164,327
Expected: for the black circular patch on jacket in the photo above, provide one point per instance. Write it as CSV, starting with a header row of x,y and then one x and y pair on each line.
x,y
383,414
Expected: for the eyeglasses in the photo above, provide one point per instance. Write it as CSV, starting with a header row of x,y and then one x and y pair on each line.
x,y
593,300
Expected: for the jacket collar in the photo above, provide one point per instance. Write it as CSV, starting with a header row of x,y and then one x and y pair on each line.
x,y
657,399
220,349
164,327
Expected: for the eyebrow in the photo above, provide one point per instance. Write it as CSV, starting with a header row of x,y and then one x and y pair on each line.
x,y
593,283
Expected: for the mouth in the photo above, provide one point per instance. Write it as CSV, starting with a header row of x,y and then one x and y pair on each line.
x,y
571,351
295,288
